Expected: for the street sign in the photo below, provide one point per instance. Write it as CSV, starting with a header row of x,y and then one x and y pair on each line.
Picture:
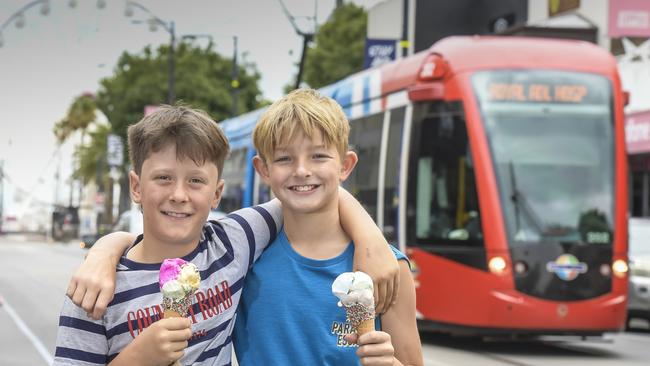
x,y
379,51
114,150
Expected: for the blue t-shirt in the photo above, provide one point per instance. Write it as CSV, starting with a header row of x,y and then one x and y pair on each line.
x,y
288,314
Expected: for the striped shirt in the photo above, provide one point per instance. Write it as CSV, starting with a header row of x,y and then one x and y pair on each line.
x,y
225,253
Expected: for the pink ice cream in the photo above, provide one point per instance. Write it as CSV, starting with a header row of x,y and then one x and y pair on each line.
x,y
178,280
170,270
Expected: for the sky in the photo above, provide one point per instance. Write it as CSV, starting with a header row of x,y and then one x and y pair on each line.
x,y
52,59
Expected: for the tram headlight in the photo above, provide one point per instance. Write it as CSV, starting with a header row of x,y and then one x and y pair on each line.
x,y
497,265
619,267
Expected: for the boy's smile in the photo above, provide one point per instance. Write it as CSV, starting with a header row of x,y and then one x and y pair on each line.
x,y
176,196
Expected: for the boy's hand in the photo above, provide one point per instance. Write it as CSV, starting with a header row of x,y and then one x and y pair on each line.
x,y
162,343
375,348
93,284
380,264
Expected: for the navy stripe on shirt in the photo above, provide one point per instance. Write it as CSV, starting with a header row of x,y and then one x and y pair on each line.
x,y
121,329
134,293
249,236
225,259
66,321
273,232
213,352
210,334
76,354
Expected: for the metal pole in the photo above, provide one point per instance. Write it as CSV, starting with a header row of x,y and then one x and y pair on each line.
x,y
305,43
645,193
234,84
405,26
171,96
2,179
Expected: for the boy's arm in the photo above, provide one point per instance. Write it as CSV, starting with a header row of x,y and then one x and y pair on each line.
x,y
372,253
399,342
93,284
265,220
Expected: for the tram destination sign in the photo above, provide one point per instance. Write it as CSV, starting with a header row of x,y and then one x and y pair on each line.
x,y
542,86
537,92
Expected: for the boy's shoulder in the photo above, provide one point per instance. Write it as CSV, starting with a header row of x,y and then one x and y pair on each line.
x,y
249,220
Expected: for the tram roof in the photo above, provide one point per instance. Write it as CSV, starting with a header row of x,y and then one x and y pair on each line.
x,y
489,52
462,54
470,53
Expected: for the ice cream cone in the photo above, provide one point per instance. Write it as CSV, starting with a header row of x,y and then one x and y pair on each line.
x,y
355,290
171,314
366,326
179,280
168,313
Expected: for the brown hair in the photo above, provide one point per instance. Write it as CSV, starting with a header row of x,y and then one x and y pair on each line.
x,y
307,109
195,135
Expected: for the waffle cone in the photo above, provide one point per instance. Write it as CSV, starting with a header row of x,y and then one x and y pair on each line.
x,y
171,314
168,313
366,326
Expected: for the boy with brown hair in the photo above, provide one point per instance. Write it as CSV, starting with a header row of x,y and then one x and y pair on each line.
x,y
302,144
177,155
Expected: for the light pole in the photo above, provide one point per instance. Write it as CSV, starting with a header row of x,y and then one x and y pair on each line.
x,y
306,37
234,83
154,22
234,78
19,16
2,180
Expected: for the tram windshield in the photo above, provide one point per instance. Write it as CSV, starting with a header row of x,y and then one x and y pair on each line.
x,y
551,135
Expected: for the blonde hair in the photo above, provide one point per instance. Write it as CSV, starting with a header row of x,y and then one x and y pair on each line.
x,y
195,135
308,110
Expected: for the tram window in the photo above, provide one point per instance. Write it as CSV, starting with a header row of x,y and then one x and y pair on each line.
x,y
443,204
391,190
365,140
234,169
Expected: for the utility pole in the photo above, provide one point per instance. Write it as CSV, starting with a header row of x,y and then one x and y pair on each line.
x,y
234,83
154,22
171,93
404,43
306,38
2,197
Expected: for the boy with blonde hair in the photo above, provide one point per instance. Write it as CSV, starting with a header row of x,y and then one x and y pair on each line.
x,y
302,142
177,155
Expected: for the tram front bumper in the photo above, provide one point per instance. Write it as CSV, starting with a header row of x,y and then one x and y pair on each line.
x,y
510,309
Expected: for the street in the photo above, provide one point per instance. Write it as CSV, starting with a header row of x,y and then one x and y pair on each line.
x,y
35,275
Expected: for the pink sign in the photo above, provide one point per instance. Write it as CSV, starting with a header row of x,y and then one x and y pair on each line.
x,y
637,132
148,109
629,18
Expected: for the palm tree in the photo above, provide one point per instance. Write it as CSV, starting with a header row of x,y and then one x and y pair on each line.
x,y
80,114
91,156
